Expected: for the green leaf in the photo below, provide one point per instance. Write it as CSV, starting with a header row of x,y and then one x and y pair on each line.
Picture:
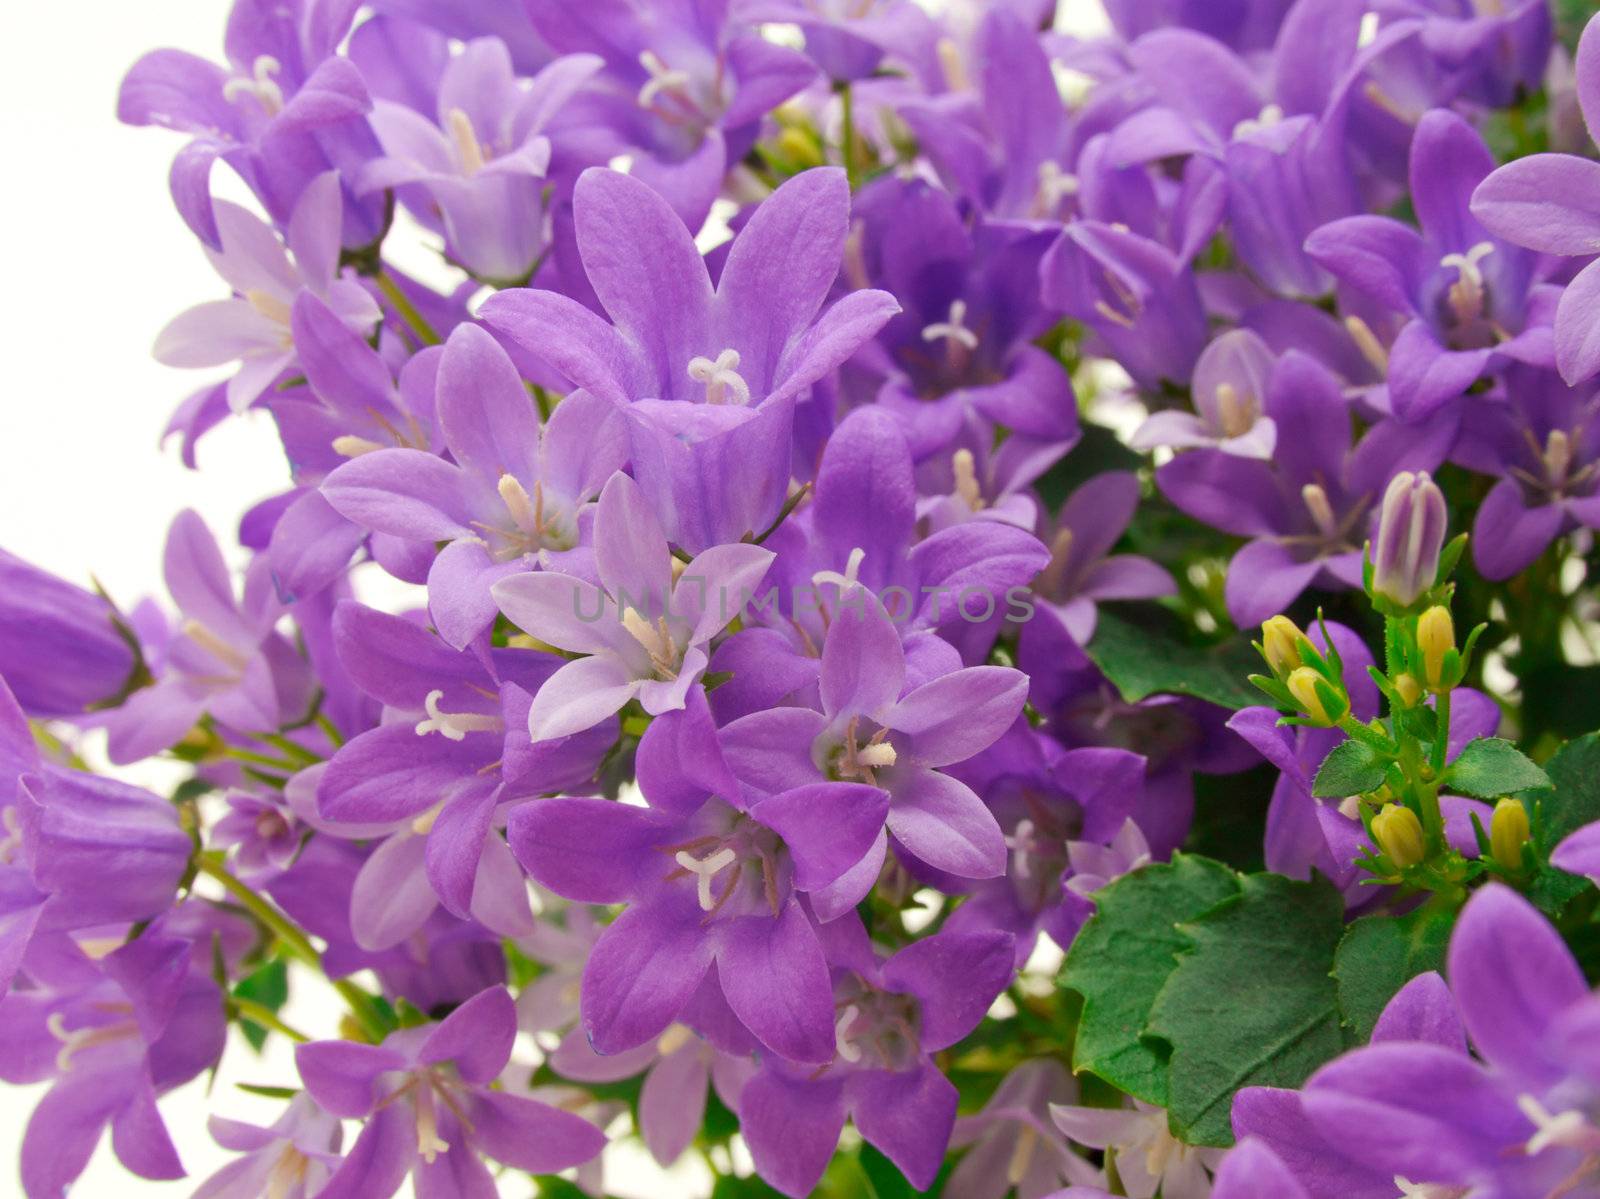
x,y
1491,767
1351,768
1380,954
1230,816
1121,959
1142,662
1574,796
268,986
1251,1002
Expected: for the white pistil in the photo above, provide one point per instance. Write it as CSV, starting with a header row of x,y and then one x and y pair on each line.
x,y
351,446
1269,116
453,726
1367,342
841,1034
469,150
288,1172
847,580
429,1144
705,870
527,511
75,1039
1316,501
656,640
1021,844
259,84
966,473
1236,413
674,1039
1055,187
1426,1190
1465,297
214,645
1566,1130
662,79
1557,456
273,307
952,329
1022,1155
720,376
951,66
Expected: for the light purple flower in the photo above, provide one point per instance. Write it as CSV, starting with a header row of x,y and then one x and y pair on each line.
x,y
1014,1147
294,1158
1230,399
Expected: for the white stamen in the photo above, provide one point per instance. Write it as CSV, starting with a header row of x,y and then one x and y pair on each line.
x,y
704,870
423,824
847,580
1055,186
720,376
1568,1130
75,1039
967,479
259,84
274,308
674,1039
951,66
1367,342
1368,30
351,446
454,726
841,1034
656,640
1022,1155
214,645
1021,844
1236,413
953,329
527,511
469,150
661,79
429,1144
1557,456
1426,1190
1269,116
1465,297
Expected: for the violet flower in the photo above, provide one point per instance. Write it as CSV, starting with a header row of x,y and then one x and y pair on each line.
x,y
707,377
891,1016
1229,387
510,500
644,629
1148,1157
294,1158
252,327
1014,1148
60,650
428,1109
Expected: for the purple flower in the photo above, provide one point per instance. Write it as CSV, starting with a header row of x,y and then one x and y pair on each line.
x,y
1543,441
262,831
252,327
429,1111
1015,1149
510,500
890,1016
1148,1157
1579,852
60,649
482,165
1230,399
110,1035
707,378
707,881
1307,513
879,728
1405,554
1516,1120
293,1158
1551,203
643,631
1454,299
849,41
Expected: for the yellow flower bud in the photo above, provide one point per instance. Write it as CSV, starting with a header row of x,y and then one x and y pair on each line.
x,y
1303,685
1436,635
1399,835
799,147
1407,690
1508,833
1280,643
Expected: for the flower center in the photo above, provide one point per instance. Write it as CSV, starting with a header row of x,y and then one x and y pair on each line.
x,y
876,1029
454,726
847,580
717,864
858,761
470,152
662,81
1055,188
961,462
721,378
1236,414
215,645
952,330
258,84
665,656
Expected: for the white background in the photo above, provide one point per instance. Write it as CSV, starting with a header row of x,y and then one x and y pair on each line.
x,y
95,261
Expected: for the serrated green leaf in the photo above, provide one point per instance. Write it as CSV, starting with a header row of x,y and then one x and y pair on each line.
x,y
1351,768
1121,959
1573,796
1380,954
1141,662
1251,1002
1491,767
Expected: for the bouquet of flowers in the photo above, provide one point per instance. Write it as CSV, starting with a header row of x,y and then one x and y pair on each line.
x,y
869,598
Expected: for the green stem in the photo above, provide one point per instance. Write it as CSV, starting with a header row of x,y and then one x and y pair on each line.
x,y
1441,739
329,730
296,942
407,310
259,1013
848,133
284,765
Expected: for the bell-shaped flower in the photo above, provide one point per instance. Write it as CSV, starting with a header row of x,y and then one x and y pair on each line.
x,y
643,630
294,1158
1230,400
253,326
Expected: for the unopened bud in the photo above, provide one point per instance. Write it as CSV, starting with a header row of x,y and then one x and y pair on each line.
x,y
1407,690
1399,834
1405,557
1436,637
1280,644
1316,696
1508,833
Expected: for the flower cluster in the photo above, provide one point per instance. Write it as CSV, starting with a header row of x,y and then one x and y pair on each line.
x,y
827,475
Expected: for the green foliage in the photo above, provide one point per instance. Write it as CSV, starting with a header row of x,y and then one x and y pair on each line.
x,y
1491,767
1251,1001
268,985
1351,768
1573,796
1380,954
1122,958
1230,817
1142,661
